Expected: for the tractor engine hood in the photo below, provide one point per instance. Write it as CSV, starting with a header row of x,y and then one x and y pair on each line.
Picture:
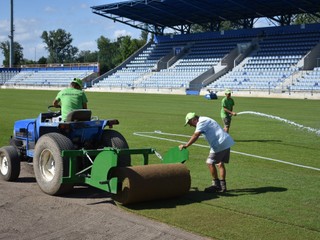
x,y
22,127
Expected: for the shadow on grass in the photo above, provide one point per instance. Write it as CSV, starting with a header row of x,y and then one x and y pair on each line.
x,y
194,195
252,191
275,141
87,192
257,140
199,196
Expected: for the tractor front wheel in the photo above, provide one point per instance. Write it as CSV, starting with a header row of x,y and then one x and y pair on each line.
x,y
48,164
114,139
9,163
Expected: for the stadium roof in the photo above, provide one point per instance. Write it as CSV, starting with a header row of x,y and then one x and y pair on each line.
x,y
174,14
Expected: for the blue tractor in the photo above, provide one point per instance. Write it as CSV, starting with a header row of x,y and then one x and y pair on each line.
x,y
86,150
41,140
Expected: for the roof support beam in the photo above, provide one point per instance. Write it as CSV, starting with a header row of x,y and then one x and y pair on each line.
x,y
180,15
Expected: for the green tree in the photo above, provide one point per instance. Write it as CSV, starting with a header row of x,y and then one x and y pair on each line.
x,y
87,56
111,54
107,54
125,48
28,61
306,18
18,53
218,26
59,46
144,36
42,60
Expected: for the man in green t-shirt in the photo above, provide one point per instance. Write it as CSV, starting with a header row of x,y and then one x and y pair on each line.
x,y
71,98
227,104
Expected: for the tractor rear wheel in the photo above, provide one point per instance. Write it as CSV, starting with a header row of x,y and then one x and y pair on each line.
x,y
114,139
9,163
48,164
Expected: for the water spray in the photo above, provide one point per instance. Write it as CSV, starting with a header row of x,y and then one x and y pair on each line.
x,y
317,131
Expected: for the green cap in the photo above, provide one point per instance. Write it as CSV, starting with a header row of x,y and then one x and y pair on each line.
x,y
78,81
189,116
227,91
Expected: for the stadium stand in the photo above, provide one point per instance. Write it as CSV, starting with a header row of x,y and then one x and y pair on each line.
x,y
275,62
7,73
58,76
274,58
309,81
198,53
135,69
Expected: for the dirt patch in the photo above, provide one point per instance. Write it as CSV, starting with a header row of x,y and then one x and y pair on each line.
x,y
87,213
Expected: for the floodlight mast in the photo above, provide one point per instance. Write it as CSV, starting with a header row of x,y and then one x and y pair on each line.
x,y
11,60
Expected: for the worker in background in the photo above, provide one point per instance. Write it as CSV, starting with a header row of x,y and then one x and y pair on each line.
x,y
227,104
71,98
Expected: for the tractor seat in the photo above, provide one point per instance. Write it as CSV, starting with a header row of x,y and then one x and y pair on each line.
x,y
79,115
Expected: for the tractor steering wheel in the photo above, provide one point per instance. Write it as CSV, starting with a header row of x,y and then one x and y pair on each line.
x,y
55,110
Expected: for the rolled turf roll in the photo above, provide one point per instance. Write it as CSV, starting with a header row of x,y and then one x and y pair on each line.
x,y
151,182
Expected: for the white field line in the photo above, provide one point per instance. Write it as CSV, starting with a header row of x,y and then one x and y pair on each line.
x,y
147,134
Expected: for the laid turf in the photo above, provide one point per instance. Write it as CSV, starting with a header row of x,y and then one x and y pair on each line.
x,y
266,198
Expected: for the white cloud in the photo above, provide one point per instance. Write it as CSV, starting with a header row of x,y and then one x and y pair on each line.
x,y
49,9
4,25
90,45
262,22
4,30
40,51
84,6
121,33
75,17
28,34
26,29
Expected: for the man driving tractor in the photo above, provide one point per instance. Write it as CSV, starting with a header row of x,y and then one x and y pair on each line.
x,y
71,98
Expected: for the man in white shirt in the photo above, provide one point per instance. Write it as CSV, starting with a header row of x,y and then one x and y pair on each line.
x,y
220,143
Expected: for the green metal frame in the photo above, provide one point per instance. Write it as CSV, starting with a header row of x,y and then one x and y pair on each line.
x,y
107,158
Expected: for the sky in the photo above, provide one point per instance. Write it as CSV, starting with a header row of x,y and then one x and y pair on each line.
x,y
32,17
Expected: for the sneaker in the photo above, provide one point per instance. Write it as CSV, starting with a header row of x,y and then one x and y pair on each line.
x,y
223,186
215,187
216,183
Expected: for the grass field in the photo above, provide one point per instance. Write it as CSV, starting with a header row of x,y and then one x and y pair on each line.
x,y
266,198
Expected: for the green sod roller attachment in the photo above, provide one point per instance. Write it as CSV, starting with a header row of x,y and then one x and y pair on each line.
x,y
131,184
